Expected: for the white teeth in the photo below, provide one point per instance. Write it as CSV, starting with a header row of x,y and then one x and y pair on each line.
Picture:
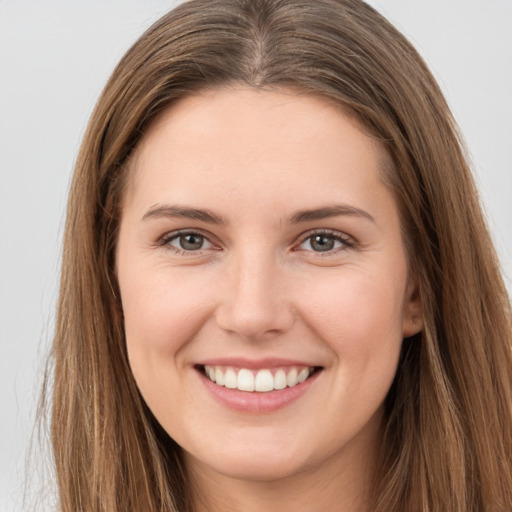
x,y
264,381
219,376
245,380
230,380
291,378
303,375
280,379
261,381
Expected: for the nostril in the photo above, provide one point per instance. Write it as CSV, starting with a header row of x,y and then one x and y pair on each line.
x,y
253,322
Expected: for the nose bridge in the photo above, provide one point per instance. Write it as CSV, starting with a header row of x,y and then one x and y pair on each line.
x,y
254,302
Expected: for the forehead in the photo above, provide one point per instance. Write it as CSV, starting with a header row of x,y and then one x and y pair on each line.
x,y
241,135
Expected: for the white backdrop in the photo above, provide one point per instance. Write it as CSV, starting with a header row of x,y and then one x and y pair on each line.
x,y
55,57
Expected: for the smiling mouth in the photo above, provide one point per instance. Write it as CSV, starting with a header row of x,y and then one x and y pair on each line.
x,y
259,381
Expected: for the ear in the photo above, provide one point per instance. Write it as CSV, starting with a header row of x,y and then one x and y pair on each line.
x,y
412,317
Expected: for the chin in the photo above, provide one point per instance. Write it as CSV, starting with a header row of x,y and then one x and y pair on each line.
x,y
261,464
261,471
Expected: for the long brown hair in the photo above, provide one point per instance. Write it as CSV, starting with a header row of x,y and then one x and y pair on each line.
x,y
448,423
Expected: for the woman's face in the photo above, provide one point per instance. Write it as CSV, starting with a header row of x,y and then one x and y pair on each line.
x,y
259,247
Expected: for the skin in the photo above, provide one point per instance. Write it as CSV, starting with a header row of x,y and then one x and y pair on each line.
x,y
258,288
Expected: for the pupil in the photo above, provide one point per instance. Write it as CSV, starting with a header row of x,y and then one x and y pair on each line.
x,y
191,242
322,243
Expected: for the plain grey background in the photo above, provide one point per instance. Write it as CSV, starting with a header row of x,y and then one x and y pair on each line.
x,y
55,56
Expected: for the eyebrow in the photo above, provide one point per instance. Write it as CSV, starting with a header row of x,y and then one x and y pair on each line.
x,y
336,210
184,213
298,217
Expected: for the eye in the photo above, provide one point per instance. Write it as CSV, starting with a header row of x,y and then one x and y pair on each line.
x,y
186,241
324,242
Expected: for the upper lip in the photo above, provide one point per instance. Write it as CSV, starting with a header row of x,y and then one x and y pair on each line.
x,y
254,364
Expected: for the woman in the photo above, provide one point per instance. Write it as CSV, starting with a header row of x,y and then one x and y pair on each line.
x,y
278,289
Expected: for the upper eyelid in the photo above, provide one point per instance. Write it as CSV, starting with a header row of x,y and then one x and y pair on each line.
x,y
171,235
185,231
347,243
329,232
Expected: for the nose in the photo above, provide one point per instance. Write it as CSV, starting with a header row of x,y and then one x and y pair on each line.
x,y
253,304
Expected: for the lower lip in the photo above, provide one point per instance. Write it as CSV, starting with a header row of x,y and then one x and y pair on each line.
x,y
255,402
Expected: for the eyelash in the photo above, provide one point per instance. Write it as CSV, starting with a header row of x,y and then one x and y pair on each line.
x,y
346,241
166,240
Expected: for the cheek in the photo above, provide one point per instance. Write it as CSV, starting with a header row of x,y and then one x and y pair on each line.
x,y
163,311
160,306
360,318
359,314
